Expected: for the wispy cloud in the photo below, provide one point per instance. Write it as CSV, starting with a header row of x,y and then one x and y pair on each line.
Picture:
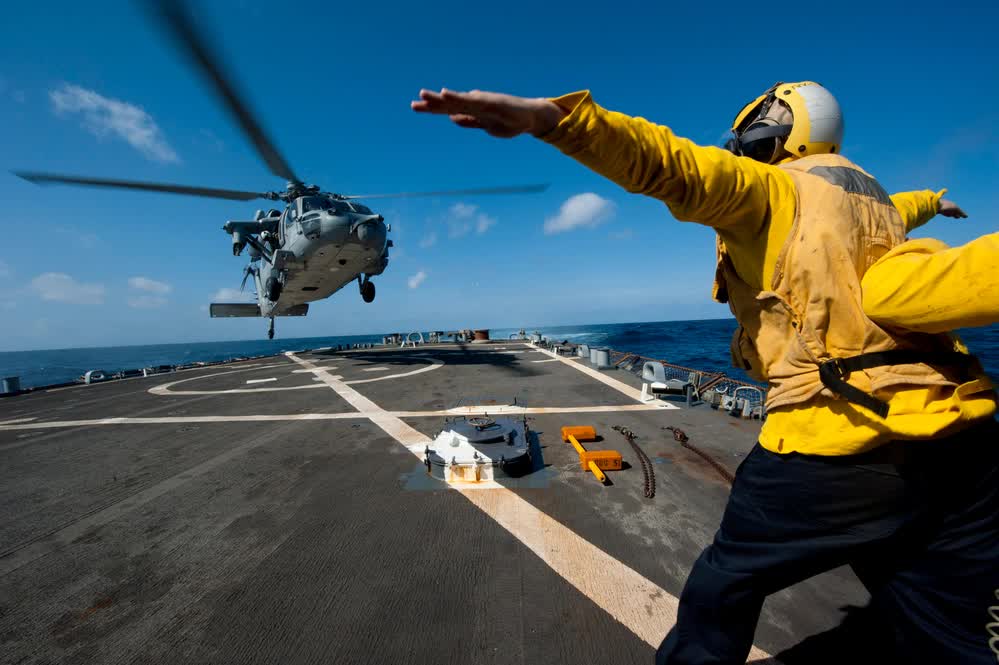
x,y
4,269
150,285
417,279
463,210
232,295
622,234
104,116
464,217
153,296
484,223
60,287
428,240
580,211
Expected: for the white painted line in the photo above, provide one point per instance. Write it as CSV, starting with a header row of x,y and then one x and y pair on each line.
x,y
435,364
547,360
641,605
310,371
621,387
376,369
164,388
15,421
507,410
261,380
495,410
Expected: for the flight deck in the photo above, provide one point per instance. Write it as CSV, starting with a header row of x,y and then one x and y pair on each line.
x,y
280,510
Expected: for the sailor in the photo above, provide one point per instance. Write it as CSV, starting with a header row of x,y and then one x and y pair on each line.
x,y
881,448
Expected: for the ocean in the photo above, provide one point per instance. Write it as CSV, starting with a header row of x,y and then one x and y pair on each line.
x,y
702,345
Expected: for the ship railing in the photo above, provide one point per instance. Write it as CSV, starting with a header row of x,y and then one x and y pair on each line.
x,y
716,388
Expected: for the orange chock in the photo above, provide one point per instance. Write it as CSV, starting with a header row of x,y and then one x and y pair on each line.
x,y
582,433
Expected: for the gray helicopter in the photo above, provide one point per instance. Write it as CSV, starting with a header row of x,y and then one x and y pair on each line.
x,y
316,245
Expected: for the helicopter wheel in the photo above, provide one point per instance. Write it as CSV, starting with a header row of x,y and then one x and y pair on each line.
x,y
368,291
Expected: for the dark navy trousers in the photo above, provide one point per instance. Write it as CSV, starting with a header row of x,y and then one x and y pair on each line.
x,y
917,521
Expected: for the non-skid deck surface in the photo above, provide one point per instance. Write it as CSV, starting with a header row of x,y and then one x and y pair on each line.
x,y
278,510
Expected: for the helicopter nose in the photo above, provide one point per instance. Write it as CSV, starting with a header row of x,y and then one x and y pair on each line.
x,y
371,231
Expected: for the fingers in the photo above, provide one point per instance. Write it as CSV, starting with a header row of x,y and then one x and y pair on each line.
x,y
470,121
450,102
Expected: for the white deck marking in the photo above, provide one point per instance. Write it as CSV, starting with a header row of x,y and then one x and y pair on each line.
x,y
376,369
261,380
174,420
167,388
15,421
435,363
621,387
641,605
164,388
546,360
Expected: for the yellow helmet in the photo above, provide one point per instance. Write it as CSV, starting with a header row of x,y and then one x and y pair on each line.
x,y
816,128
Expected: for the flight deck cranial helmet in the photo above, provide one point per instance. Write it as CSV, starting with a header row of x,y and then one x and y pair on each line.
x,y
763,131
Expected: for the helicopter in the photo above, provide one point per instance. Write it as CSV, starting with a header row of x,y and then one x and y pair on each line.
x,y
317,244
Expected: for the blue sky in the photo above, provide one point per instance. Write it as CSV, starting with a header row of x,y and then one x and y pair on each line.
x,y
332,84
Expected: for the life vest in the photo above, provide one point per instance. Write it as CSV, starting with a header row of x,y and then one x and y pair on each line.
x,y
808,334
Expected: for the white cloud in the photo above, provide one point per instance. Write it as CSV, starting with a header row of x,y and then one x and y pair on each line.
x,y
146,302
60,287
4,269
484,223
417,279
232,295
582,210
103,116
150,285
465,217
428,240
463,210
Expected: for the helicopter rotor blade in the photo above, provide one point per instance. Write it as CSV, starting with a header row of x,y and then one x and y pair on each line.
x,y
175,15
209,192
514,189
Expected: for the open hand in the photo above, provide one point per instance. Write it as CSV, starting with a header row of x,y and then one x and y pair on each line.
x,y
950,209
504,116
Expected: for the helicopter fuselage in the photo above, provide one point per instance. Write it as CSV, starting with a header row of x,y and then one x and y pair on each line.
x,y
311,250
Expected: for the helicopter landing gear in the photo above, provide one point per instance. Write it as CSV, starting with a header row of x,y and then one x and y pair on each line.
x,y
367,291
270,330
273,288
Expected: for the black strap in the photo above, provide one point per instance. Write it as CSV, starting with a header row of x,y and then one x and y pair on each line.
x,y
833,372
764,132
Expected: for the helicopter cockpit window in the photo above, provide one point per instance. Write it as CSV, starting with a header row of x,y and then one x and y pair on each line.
x,y
311,203
291,214
364,210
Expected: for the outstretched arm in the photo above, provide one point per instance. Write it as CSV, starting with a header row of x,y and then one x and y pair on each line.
x,y
926,286
700,184
917,208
